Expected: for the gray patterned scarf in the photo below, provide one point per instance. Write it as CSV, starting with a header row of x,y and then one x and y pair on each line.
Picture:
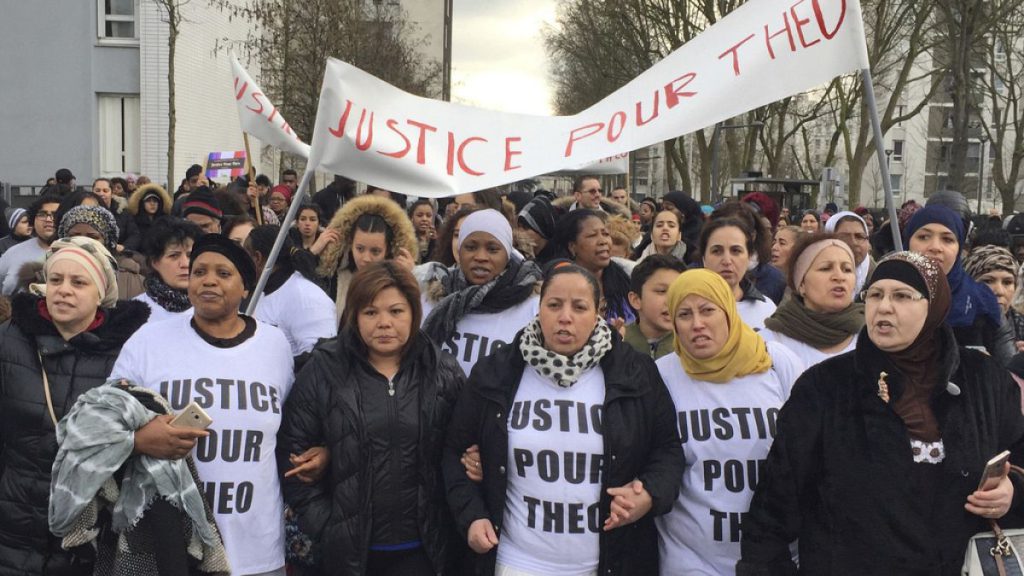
x,y
563,370
95,439
513,286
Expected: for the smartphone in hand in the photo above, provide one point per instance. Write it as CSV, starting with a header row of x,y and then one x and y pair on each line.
x,y
193,416
994,471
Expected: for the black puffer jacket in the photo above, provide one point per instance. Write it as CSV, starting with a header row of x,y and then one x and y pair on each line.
x,y
841,478
27,435
325,408
640,442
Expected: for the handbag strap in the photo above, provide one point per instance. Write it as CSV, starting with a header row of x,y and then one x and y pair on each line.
x,y
1002,549
46,390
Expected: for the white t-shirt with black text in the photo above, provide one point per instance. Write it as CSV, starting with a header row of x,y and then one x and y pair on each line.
x,y
726,431
243,389
479,334
552,525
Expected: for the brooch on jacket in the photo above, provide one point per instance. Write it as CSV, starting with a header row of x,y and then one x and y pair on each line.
x,y
883,387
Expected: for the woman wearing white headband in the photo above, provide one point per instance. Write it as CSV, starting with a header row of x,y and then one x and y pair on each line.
x,y
820,319
478,305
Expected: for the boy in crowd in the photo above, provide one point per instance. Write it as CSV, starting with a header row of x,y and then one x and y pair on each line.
x,y
652,331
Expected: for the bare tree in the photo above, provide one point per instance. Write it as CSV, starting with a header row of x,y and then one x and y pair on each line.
x,y
599,46
172,15
966,26
1004,87
899,34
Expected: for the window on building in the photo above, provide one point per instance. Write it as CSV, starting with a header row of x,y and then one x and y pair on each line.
x,y
973,156
901,109
944,153
999,50
119,134
117,19
896,182
897,150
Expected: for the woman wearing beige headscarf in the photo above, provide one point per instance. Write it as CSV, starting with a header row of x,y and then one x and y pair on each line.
x,y
61,341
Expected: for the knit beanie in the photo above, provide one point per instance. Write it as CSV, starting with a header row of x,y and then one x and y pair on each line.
x,y
202,201
13,215
226,247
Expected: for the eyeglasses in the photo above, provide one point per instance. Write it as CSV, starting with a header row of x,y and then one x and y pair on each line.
x,y
876,296
44,215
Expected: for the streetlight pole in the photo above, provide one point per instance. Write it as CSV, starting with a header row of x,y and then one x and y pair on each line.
x,y
888,156
715,195
981,172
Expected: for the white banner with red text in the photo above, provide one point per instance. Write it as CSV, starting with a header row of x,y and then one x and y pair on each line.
x,y
763,51
259,117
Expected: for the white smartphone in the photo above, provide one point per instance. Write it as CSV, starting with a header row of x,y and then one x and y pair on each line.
x,y
994,470
193,416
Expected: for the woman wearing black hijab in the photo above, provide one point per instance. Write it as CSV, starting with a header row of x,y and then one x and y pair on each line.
x,y
877,459
536,223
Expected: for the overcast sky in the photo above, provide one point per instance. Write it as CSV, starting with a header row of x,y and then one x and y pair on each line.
x,y
498,58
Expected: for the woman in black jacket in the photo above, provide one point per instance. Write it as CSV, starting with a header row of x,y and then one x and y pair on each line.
x,y
579,451
878,454
61,341
379,397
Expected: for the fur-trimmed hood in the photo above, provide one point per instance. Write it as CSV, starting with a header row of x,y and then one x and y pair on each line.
x,y
611,208
121,322
136,198
336,256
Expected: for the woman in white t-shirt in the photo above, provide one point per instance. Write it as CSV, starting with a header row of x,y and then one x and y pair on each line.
x,y
477,306
238,370
578,447
726,245
727,386
290,301
168,246
820,319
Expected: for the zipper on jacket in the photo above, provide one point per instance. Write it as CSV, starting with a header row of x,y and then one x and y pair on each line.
x,y
395,457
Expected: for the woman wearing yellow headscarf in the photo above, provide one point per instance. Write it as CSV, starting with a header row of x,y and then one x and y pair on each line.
x,y
728,386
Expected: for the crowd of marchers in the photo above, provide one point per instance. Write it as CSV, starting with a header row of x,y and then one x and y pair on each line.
x,y
516,384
